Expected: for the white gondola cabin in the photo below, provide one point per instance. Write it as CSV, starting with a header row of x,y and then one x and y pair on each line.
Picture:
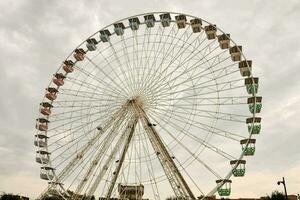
x,y
91,44
211,31
224,41
79,54
42,157
46,108
245,67
254,125
255,104
59,79
224,188
196,25
40,140
149,20
134,23
119,28
235,53
238,167
51,93
251,85
68,66
42,124
47,173
104,35
165,19
250,149
180,21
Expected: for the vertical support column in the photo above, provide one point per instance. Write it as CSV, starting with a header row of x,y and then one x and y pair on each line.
x,y
130,128
176,180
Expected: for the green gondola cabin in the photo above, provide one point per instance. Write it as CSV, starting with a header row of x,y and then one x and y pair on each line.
x,y
224,188
180,21
238,167
196,25
249,149
235,53
254,125
251,85
165,19
211,31
68,66
255,104
79,54
91,44
224,41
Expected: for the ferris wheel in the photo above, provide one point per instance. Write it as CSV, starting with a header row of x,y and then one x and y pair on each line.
x,y
154,106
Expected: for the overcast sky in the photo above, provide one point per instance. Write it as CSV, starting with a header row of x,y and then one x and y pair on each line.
x,y
36,35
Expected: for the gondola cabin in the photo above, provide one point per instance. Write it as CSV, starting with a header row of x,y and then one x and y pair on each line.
x,y
79,54
180,21
255,104
91,44
224,188
211,31
251,85
42,157
165,19
46,108
59,79
68,66
104,35
149,20
245,67
47,173
42,124
51,93
235,53
40,140
224,41
119,28
249,149
238,167
254,125
196,25
134,23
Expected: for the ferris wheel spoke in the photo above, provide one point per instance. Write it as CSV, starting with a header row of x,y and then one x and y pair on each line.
x,y
146,71
161,78
121,68
172,33
198,76
192,154
208,128
194,137
115,87
169,51
88,86
118,86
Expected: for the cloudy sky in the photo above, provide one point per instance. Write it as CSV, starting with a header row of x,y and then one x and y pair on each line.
x,y
36,35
